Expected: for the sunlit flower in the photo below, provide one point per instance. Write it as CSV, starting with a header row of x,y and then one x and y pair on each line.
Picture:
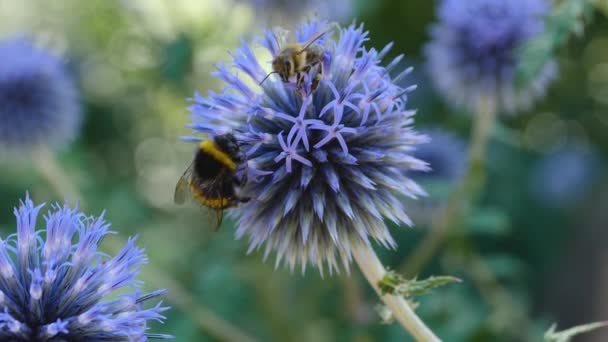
x,y
38,101
326,166
56,286
472,52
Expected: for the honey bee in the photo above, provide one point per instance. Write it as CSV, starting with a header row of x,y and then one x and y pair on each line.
x,y
213,177
298,59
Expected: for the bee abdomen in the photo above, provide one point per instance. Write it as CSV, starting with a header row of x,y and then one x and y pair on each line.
x,y
213,203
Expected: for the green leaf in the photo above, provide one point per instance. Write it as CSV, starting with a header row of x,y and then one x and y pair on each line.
x,y
395,284
568,17
566,335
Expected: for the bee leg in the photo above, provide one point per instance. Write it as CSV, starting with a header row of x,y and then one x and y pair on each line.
x,y
299,82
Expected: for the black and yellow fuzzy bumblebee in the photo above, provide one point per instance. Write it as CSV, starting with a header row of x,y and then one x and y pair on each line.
x,y
214,176
297,59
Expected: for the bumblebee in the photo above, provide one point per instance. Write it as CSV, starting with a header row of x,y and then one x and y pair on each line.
x,y
214,176
298,59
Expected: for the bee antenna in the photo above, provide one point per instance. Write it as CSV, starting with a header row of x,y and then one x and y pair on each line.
x,y
270,73
276,39
314,40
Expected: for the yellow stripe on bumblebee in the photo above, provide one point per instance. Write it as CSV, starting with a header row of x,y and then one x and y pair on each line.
x,y
211,148
213,203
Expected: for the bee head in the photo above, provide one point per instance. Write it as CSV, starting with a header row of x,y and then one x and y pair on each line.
x,y
283,65
228,143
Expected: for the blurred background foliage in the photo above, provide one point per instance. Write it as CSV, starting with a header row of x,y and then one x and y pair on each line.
x,y
535,249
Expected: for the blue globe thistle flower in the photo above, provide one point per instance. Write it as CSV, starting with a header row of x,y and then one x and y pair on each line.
x,y
56,286
472,52
446,155
326,165
38,101
564,177
334,9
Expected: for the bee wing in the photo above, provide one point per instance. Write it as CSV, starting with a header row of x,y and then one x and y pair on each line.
x,y
214,188
219,218
182,188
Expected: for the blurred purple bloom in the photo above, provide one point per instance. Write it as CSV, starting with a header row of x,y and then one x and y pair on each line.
x,y
38,101
325,167
445,153
333,9
472,52
56,286
564,177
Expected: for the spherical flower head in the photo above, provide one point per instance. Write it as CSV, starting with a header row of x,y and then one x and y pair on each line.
x,y
473,52
335,9
56,286
446,155
38,100
326,165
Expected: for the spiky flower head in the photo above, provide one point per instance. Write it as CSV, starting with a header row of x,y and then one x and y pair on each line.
x,y
445,154
335,9
55,285
326,165
473,52
38,100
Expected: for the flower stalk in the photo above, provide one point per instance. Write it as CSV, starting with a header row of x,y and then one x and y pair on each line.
x,y
374,271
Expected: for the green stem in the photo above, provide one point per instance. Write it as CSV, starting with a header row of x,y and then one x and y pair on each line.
x,y
465,192
218,328
372,269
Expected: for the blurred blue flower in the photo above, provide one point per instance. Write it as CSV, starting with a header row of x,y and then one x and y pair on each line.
x,y
446,155
334,9
38,101
56,285
564,177
326,166
472,52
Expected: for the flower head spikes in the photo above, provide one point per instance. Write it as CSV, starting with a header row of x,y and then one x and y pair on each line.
x,y
326,165
473,51
55,284
38,101
290,10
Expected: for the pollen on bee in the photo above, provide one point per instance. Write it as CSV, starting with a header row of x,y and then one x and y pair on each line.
x,y
214,203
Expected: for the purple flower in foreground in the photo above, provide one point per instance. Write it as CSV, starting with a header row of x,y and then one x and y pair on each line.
x,y
56,286
38,101
472,52
325,166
